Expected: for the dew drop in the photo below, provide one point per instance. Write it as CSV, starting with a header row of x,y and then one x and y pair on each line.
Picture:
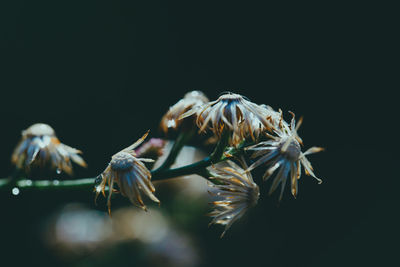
x,y
15,191
58,171
56,182
28,182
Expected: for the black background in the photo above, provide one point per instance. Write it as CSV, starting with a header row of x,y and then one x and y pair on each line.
x,y
103,72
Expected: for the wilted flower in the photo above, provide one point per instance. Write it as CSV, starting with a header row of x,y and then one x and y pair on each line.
x,y
232,112
283,153
191,100
131,175
275,118
40,146
238,192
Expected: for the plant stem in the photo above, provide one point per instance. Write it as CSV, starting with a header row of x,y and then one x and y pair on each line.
x,y
180,142
88,183
219,150
198,167
193,168
56,184
4,182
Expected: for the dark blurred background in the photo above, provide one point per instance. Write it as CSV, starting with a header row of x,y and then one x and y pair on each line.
x,y
103,72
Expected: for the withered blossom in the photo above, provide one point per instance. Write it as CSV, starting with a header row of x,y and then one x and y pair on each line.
x,y
282,154
232,112
275,118
191,100
40,146
131,176
238,193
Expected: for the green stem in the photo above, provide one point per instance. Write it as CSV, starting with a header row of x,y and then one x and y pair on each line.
x,y
4,182
198,167
194,168
180,142
56,184
219,150
88,183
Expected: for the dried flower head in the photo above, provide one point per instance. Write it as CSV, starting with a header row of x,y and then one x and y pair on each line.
x,y
275,118
232,112
131,176
238,192
283,154
40,146
191,100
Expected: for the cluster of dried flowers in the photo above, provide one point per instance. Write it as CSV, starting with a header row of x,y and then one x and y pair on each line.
x,y
260,133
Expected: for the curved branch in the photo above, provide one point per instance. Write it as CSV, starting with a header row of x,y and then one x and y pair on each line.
x,y
87,183
198,167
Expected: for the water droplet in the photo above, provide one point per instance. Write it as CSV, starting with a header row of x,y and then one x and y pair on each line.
x,y
28,182
58,171
56,182
15,191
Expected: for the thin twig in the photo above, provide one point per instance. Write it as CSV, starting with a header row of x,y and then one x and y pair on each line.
x,y
179,143
198,167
